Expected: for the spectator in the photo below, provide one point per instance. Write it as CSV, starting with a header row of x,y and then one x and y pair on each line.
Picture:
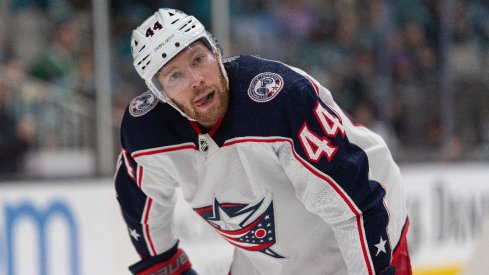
x,y
58,63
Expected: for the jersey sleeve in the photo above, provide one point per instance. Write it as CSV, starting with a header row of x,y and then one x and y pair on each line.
x,y
148,213
149,220
332,176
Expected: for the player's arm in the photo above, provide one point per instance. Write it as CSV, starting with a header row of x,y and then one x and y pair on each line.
x,y
149,222
331,177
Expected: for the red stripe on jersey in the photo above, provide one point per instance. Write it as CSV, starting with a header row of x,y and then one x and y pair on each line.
x,y
337,189
149,202
164,150
209,208
362,243
244,140
196,127
140,176
211,132
215,127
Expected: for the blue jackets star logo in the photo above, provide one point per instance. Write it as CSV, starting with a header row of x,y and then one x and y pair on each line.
x,y
247,226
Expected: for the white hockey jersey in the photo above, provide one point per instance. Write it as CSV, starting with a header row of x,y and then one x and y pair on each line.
x,y
285,176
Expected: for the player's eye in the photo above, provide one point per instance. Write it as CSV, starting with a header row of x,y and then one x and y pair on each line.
x,y
175,76
198,59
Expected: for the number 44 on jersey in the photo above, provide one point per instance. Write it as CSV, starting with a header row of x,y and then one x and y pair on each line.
x,y
316,146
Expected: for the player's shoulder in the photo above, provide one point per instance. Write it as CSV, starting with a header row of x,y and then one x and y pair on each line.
x,y
143,109
271,81
255,64
150,123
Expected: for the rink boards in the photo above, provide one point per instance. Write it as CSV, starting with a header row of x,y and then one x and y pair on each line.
x,y
67,227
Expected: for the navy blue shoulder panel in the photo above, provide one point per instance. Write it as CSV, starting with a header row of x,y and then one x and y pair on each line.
x,y
161,126
259,90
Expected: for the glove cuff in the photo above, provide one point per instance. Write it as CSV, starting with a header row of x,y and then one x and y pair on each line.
x,y
175,265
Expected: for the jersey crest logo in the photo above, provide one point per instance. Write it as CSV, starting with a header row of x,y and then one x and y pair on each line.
x,y
142,104
265,87
247,226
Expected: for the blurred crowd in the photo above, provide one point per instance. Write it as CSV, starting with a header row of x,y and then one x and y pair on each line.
x,y
412,70
391,64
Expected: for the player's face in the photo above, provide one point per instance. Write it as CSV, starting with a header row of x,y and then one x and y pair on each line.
x,y
194,82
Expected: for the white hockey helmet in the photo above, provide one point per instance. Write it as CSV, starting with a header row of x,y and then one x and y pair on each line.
x,y
162,36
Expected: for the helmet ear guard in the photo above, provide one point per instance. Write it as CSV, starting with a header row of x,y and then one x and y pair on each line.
x,y
155,87
212,43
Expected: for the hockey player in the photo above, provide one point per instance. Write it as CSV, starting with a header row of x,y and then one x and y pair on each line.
x,y
262,153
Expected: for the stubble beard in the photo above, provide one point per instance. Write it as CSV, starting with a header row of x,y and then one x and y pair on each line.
x,y
214,114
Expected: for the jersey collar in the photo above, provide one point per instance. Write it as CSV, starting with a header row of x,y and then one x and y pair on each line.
x,y
199,131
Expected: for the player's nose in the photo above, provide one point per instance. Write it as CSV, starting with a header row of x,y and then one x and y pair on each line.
x,y
198,78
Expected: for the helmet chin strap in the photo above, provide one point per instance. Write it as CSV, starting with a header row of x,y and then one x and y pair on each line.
x,y
221,66
168,100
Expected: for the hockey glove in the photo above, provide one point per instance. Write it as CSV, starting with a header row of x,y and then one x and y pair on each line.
x,y
172,262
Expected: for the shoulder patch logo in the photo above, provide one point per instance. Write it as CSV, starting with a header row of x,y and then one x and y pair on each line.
x,y
142,104
265,87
